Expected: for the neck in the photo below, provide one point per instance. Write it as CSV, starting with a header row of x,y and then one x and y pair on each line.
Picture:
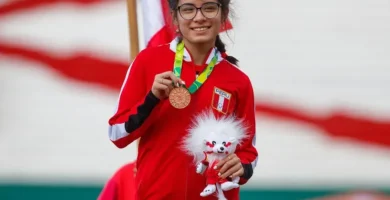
x,y
198,51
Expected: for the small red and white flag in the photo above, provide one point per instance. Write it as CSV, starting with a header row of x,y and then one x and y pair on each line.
x,y
221,100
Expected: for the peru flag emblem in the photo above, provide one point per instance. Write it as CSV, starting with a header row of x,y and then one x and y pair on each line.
x,y
221,100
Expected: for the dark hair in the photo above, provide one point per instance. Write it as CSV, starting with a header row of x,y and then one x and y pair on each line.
x,y
225,6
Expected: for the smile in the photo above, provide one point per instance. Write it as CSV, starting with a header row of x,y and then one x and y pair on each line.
x,y
200,28
220,151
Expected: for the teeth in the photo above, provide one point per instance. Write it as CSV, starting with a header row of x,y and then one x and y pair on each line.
x,y
200,29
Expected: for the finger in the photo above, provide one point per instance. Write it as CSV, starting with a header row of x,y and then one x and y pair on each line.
x,y
166,82
227,166
171,76
176,80
166,74
231,163
160,86
226,159
235,168
220,164
167,91
169,83
239,173
170,87
230,157
160,79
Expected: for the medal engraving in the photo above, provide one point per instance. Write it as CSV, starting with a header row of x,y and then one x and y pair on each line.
x,y
179,97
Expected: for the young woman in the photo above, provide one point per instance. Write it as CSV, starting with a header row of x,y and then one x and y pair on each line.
x,y
152,108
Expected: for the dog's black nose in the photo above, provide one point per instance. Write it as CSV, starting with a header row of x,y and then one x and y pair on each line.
x,y
221,148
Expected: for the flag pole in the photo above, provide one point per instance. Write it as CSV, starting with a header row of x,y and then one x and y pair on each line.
x,y
133,31
133,28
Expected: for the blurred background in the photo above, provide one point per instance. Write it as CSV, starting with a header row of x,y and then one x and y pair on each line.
x,y
320,70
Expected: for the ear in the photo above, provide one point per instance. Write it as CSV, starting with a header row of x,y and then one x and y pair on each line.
x,y
176,26
232,140
174,19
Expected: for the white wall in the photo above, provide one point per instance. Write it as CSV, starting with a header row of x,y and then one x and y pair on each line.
x,y
310,54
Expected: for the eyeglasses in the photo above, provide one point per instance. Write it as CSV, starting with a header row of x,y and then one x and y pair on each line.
x,y
208,10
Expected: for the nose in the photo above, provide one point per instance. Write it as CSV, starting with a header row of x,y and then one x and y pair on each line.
x,y
199,16
221,148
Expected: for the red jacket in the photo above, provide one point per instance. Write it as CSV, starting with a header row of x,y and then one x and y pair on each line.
x,y
164,171
121,186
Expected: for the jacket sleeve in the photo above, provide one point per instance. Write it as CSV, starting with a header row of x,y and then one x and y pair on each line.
x,y
247,151
134,108
109,191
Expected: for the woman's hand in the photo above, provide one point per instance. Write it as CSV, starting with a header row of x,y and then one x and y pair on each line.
x,y
163,84
230,167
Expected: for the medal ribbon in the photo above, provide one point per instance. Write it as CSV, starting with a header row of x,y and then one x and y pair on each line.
x,y
202,77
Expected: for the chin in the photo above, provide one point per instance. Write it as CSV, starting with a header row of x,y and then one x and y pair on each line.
x,y
201,39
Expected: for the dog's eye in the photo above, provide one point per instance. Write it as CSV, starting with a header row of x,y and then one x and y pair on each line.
x,y
224,143
213,142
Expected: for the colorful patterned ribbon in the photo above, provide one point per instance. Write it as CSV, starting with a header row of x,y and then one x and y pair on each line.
x,y
202,77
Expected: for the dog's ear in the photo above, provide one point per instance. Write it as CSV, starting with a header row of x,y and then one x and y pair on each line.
x,y
233,140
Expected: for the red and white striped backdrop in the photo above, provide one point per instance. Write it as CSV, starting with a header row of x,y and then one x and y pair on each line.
x,y
320,71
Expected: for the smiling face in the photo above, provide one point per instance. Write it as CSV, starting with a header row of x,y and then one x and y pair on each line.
x,y
199,25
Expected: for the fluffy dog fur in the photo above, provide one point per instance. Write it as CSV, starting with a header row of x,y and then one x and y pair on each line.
x,y
210,139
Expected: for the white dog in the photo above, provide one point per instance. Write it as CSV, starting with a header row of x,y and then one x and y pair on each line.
x,y
210,140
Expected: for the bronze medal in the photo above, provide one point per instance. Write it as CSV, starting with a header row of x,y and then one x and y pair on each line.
x,y
180,97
